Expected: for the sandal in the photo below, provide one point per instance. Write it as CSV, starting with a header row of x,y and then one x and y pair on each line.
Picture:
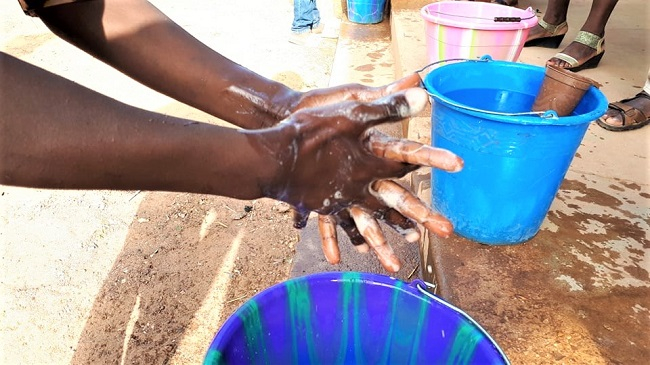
x,y
590,40
631,117
557,33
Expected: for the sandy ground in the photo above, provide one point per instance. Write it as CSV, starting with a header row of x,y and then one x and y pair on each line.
x,y
144,277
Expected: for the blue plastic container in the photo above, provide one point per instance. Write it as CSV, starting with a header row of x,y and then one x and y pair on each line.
x,y
514,164
366,11
351,318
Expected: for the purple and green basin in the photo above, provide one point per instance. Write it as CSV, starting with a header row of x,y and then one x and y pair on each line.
x,y
351,318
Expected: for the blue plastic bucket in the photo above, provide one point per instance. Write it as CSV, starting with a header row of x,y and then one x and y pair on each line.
x,y
366,11
351,318
514,164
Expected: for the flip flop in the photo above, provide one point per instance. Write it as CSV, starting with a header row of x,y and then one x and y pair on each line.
x,y
632,117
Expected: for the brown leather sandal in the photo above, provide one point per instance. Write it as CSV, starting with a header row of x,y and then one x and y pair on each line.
x,y
631,117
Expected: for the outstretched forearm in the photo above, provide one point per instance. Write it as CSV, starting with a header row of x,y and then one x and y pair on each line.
x,y
57,134
140,41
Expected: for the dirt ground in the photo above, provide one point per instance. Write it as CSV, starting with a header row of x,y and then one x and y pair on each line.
x,y
166,272
143,277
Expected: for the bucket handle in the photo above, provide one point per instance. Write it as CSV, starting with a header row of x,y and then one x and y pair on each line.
x,y
549,114
484,58
496,19
422,286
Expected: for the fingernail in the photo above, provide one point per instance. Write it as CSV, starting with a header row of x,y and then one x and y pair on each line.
x,y
412,236
300,218
458,165
332,260
442,229
394,266
362,248
413,80
417,99
446,231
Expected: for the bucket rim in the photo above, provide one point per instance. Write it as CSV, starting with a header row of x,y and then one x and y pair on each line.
x,y
570,120
528,16
416,288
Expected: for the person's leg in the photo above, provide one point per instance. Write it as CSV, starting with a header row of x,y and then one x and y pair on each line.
x,y
553,24
315,15
305,16
586,46
632,113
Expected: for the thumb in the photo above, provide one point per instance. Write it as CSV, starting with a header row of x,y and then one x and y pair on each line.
x,y
374,93
407,82
390,108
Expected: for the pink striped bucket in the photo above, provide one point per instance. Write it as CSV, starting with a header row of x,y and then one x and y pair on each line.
x,y
470,29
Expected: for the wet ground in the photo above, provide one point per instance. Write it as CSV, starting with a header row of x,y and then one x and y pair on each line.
x,y
576,293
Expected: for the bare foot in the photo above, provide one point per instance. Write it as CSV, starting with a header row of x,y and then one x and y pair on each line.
x,y
637,116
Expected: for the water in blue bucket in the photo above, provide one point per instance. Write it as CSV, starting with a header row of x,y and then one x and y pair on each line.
x,y
514,161
351,318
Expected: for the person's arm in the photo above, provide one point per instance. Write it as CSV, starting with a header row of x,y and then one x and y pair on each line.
x,y
139,40
136,38
58,134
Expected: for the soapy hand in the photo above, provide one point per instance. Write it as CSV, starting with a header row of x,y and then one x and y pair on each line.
x,y
353,92
411,210
393,204
336,164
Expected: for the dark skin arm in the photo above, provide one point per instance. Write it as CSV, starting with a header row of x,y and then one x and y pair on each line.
x,y
137,39
58,134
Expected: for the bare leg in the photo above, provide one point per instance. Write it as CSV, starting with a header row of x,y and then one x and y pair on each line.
x,y
595,23
555,15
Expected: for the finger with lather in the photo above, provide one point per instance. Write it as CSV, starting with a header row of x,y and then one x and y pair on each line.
x,y
371,231
329,239
355,92
411,152
403,225
402,200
